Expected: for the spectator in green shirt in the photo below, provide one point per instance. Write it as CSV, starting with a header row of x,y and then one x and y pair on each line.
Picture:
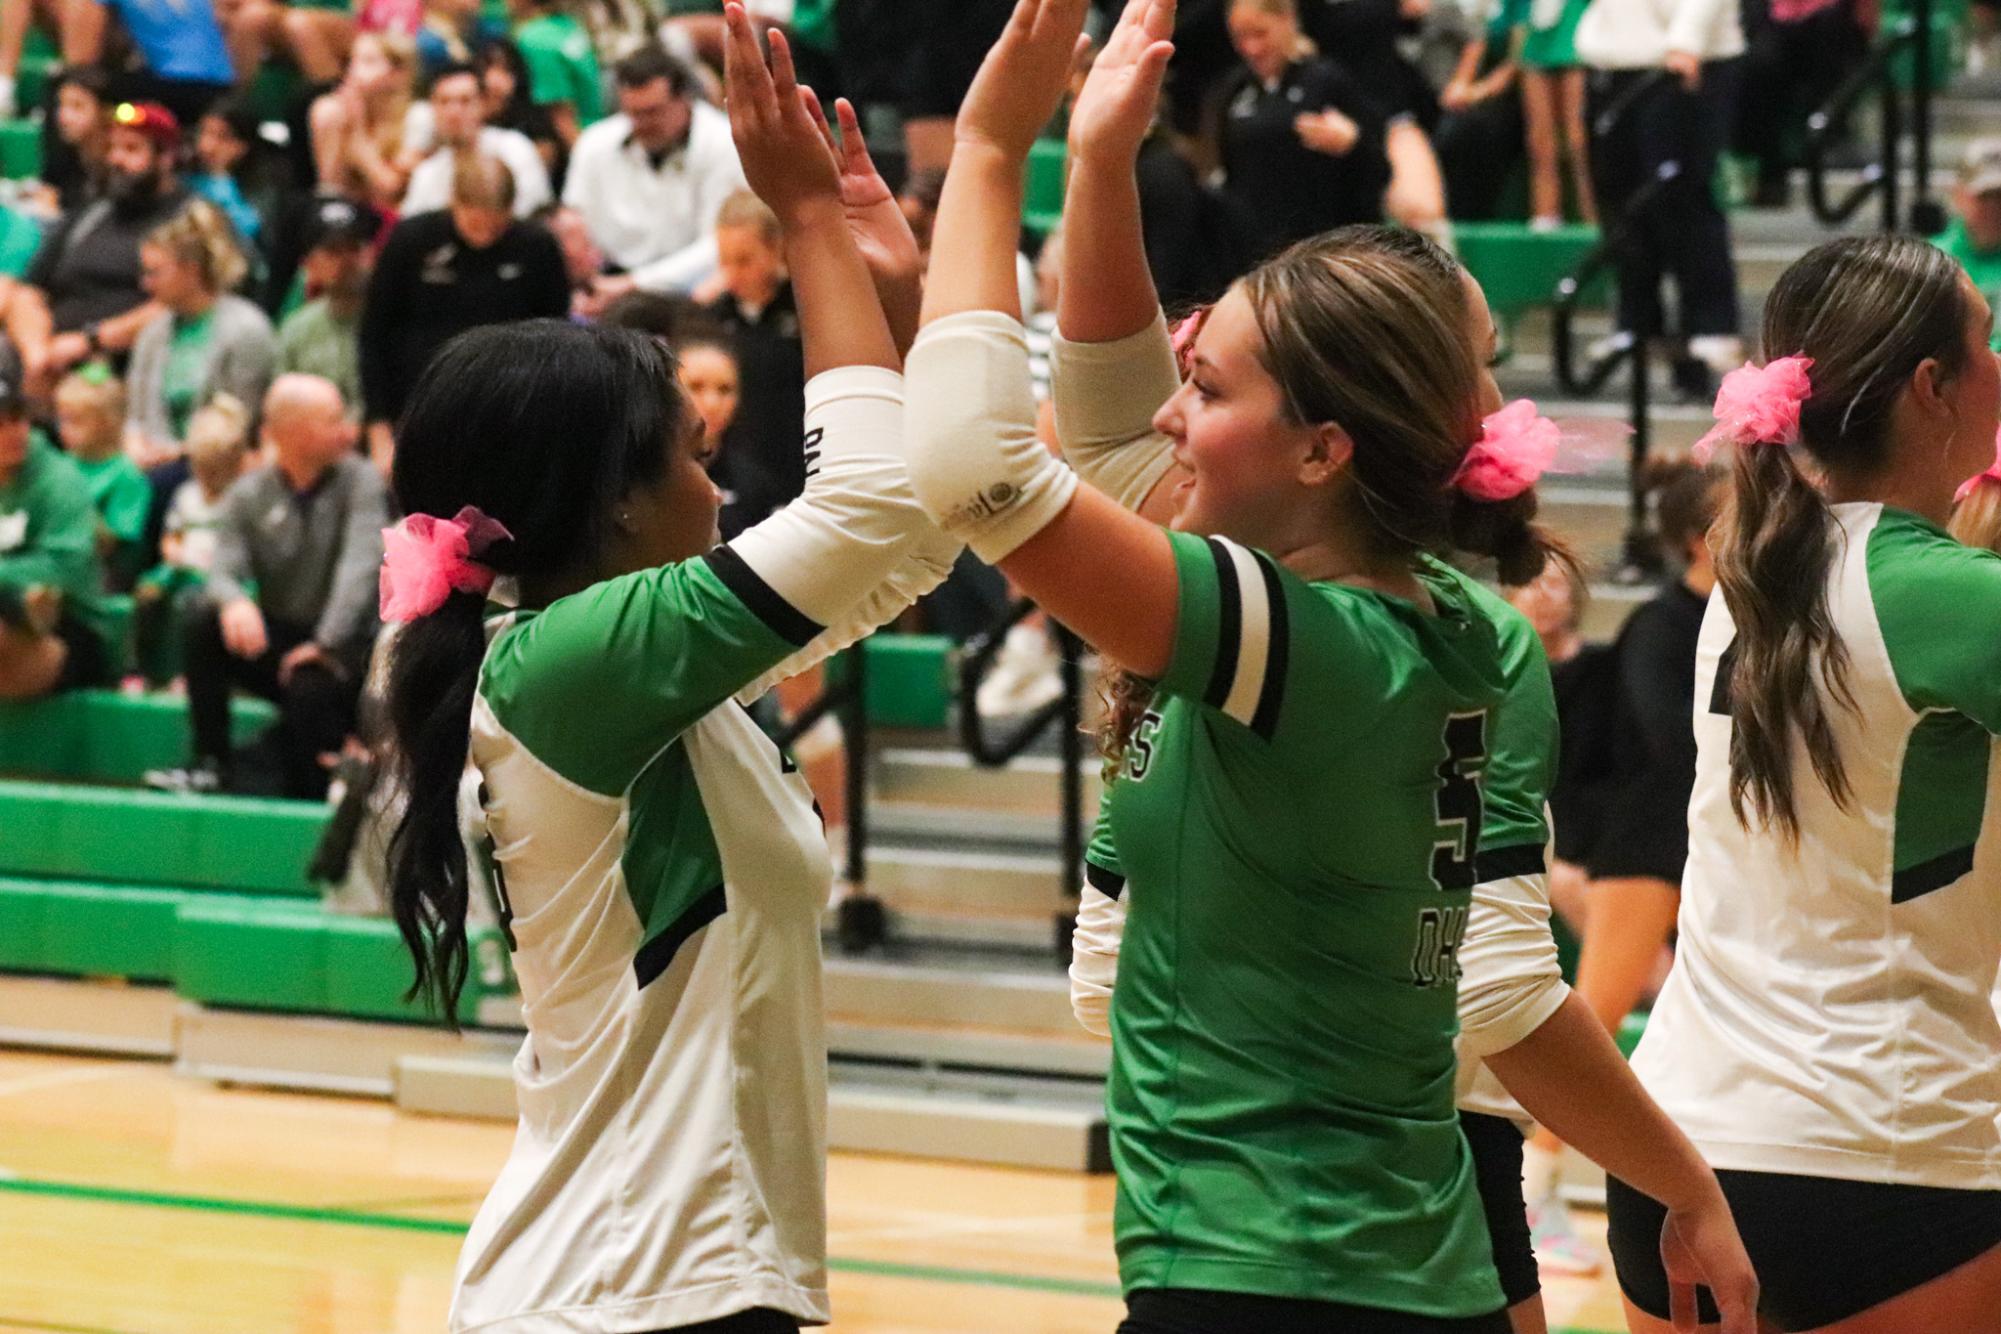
x,y
563,75
1974,236
322,337
90,418
51,629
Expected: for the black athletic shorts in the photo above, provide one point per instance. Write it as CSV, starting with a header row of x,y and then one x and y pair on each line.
x,y
1825,1250
1497,1166
85,664
760,1321
1194,1311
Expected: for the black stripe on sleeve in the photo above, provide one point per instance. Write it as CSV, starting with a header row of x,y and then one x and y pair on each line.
x,y
784,620
1915,882
1229,627
657,953
1271,693
1506,863
1109,883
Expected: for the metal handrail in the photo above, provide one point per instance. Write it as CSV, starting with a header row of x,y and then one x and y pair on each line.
x,y
1881,179
1065,713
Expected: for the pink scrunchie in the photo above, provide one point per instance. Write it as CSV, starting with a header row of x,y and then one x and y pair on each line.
x,y
1182,337
425,559
1993,474
1759,406
1517,445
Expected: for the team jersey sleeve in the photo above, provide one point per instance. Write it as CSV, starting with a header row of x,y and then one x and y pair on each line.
x,y
1232,640
1937,603
1101,925
601,682
1106,395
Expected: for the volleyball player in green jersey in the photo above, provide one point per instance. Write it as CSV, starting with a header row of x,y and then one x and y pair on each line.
x,y
658,863
1306,829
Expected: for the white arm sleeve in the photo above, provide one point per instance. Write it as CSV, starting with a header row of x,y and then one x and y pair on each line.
x,y
1094,959
855,547
1510,981
975,461
1106,395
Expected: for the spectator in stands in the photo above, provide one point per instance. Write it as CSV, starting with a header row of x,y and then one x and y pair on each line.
x,y
583,262
1974,235
458,114
1553,97
1679,61
946,45
15,20
706,363
563,77
759,313
1361,38
223,139
367,133
306,533
323,337
51,632
83,294
442,273
1798,53
90,421
316,34
75,139
1479,135
218,445
205,341
651,179
185,63
503,82
1302,146
450,32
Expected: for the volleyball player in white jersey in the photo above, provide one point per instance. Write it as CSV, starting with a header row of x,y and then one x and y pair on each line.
x,y
1828,1035
657,860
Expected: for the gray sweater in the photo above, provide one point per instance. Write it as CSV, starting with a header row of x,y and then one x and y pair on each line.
x,y
314,556
242,357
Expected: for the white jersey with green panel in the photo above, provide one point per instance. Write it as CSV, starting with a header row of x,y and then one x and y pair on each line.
x,y
1299,819
661,872
1831,1011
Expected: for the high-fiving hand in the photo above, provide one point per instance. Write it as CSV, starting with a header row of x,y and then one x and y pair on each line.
x,y
1024,77
1115,108
785,158
881,232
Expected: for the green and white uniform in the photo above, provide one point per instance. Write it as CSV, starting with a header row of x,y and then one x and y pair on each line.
x,y
661,870
1831,1011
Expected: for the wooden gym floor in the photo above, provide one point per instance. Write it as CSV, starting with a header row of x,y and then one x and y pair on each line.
x,y
134,1202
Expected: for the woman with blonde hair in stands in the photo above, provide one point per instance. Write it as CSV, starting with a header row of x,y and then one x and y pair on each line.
x,y
368,133
1827,1035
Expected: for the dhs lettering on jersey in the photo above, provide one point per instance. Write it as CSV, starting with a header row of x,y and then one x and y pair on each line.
x,y
1435,961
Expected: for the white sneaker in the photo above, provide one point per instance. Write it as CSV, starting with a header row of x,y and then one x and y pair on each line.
x,y
1722,353
1558,1248
1023,677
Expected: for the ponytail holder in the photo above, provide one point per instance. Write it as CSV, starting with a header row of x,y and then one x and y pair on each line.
x,y
1517,445
1993,474
1759,406
426,559
1182,337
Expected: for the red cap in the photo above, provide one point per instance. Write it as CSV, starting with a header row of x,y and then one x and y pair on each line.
x,y
150,119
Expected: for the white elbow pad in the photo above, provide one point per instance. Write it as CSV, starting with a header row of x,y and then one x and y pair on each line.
x,y
975,461
1094,959
1511,982
1106,395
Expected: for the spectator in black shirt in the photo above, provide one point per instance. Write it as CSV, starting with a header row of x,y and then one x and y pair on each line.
x,y
442,273
766,468
1302,148
82,294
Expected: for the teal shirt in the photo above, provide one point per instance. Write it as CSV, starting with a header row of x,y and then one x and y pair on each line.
x,y
562,65
48,535
1983,266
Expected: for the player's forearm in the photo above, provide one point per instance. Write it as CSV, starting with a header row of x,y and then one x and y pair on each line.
x,y
1572,1080
1107,291
840,319
976,235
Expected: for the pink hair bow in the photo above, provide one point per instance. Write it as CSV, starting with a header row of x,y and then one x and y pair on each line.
x,y
1182,337
425,559
1993,474
1517,445
1759,406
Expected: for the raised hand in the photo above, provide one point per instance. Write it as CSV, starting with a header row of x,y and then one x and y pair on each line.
x,y
785,159
881,232
1024,76
1115,108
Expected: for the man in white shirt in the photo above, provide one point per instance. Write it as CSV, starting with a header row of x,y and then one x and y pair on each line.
x,y
459,115
650,180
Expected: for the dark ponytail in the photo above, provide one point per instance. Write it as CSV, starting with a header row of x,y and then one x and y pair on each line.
x,y
543,426
1868,311
1506,532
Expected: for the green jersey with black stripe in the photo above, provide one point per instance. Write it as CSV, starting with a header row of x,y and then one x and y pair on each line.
x,y
1300,819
